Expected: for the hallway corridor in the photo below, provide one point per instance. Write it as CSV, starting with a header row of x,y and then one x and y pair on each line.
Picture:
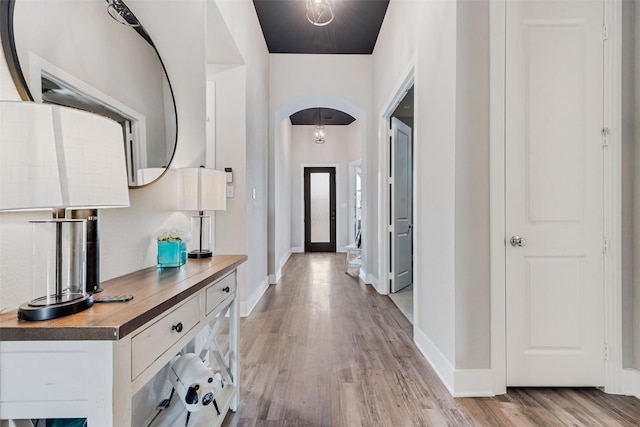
x,y
323,349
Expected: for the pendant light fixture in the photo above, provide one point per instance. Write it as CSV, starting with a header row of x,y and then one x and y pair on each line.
x,y
319,130
320,134
320,12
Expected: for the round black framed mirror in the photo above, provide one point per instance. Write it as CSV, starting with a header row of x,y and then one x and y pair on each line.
x,y
96,56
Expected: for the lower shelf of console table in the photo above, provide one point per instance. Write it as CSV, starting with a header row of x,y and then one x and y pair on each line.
x,y
91,364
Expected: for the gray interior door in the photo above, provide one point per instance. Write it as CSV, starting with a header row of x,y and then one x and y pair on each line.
x,y
402,209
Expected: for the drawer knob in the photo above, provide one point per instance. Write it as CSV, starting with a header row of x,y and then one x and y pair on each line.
x,y
226,289
177,327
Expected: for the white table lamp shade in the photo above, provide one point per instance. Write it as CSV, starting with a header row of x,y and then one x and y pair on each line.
x,y
94,160
58,157
29,176
202,189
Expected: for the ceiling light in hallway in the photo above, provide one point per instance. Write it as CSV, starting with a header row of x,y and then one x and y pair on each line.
x,y
320,134
320,12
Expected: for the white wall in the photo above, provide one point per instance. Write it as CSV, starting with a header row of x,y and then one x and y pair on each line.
x,y
355,141
435,39
242,22
283,176
297,82
306,153
230,152
425,32
472,187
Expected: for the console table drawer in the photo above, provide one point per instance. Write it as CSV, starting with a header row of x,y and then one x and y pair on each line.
x,y
219,291
155,340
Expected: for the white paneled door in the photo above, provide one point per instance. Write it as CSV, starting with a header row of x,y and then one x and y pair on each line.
x,y
554,193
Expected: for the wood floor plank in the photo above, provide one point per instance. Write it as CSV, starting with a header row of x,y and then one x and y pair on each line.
x,y
322,348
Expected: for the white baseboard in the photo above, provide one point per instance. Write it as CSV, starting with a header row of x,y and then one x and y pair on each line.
x,y
436,359
246,307
368,280
372,280
459,382
632,382
275,278
473,383
297,250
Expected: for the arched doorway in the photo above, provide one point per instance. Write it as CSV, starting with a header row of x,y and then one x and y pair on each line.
x,y
283,209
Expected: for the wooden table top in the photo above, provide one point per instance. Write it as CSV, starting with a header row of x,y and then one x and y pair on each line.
x,y
155,291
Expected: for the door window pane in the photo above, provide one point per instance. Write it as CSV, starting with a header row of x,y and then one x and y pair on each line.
x,y
320,207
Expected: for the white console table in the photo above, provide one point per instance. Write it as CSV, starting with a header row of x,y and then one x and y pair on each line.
x,y
90,364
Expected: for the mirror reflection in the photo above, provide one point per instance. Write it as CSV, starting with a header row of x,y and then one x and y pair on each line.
x,y
105,63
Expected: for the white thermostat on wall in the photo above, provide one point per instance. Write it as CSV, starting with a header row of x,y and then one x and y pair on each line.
x,y
229,173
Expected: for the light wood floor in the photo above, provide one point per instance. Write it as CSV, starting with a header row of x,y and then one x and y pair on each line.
x,y
323,349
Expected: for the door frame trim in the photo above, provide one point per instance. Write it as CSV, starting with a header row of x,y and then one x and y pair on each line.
x,y
406,81
614,372
612,118
497,202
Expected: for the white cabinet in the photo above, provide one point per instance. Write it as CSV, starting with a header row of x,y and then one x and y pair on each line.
x,y
89,365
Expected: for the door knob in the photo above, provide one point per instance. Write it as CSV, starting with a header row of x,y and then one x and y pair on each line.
x,y
518,241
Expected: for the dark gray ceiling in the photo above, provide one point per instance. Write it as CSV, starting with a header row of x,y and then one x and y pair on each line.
x,y
354,29
321,116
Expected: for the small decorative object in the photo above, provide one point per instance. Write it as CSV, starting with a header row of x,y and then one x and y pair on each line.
x,y
172,247
196,384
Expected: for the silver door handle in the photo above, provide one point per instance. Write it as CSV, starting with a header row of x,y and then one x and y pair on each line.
x,y
518,241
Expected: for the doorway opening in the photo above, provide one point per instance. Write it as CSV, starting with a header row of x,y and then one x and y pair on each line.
x,y
400,194
294,148
355,223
